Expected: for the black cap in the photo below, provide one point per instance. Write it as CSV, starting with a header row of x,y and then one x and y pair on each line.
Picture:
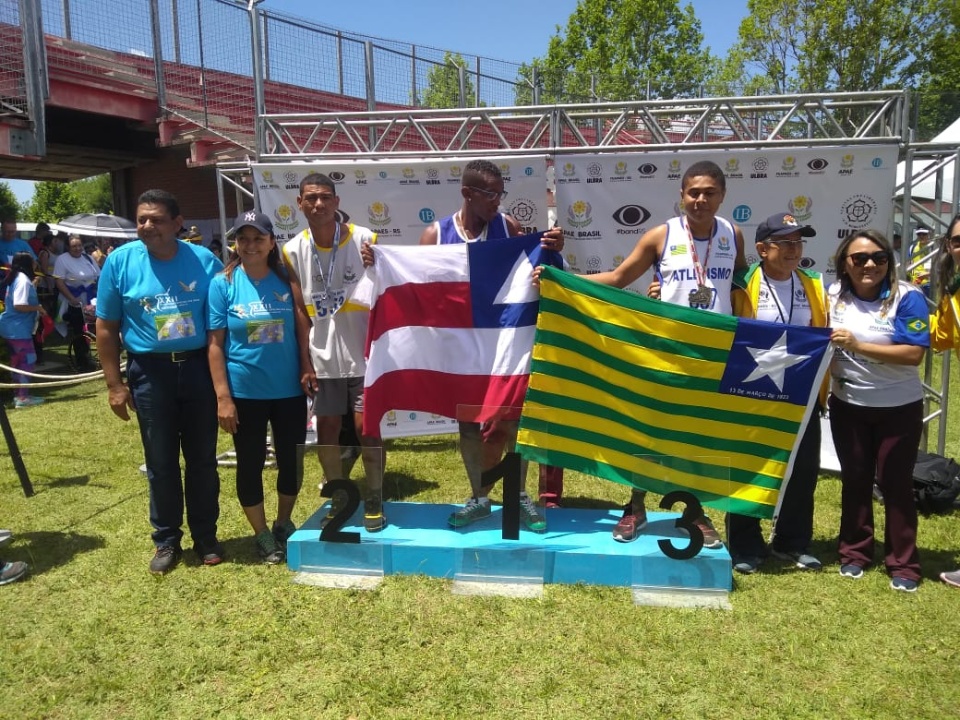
x,y
782,224
254,219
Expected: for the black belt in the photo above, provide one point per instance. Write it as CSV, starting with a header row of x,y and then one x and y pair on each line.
x,y
174,357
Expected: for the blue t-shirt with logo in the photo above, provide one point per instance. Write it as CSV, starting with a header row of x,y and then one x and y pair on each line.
x,y
161,305
14,324
9,248
263,359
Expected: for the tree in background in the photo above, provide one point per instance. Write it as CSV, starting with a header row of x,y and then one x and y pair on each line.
x,y
623,50
9,207
939,86
815,46
443,84
51,201
95,194
54,201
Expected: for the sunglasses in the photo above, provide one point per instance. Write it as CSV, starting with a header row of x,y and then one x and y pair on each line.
x,y
955,241
859,259
489,194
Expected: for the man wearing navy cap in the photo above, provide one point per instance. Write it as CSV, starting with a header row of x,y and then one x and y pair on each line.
x,y
776,290
153,293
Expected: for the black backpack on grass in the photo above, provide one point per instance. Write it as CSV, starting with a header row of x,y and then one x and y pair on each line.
x,y
936,483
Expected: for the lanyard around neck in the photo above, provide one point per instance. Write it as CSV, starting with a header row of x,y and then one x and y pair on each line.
x,y
699,269
326,279
785,319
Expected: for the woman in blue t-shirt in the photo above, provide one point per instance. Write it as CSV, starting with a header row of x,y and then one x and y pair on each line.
x,y
881,331
19,319
257,328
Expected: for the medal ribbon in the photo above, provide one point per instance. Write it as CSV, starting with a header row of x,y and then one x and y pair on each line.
x,y
325,279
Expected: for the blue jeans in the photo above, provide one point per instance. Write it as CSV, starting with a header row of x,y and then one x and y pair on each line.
x,y
177,409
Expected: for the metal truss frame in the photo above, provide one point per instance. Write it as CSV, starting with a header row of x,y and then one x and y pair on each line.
x,y
781,120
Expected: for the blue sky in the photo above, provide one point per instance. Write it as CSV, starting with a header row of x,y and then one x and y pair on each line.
x,y
514,30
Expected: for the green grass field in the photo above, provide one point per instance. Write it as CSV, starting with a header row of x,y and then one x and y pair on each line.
x,y
91,634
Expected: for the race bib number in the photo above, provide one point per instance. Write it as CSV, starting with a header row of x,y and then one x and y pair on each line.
x,y
326,304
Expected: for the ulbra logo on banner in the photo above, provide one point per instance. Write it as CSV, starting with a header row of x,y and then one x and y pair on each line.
x,y
858,211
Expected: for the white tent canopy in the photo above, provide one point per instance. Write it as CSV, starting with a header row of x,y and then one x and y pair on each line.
x,y
926,188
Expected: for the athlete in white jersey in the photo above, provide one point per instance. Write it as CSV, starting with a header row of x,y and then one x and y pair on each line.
x,y
325,267
696,255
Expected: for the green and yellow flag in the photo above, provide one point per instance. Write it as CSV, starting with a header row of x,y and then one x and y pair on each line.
x,y
663,397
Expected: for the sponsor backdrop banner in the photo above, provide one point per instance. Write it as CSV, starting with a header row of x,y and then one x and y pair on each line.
x,y
603,202
397,200
606,202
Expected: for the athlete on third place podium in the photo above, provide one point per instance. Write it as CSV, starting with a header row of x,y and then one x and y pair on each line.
x,y
695,256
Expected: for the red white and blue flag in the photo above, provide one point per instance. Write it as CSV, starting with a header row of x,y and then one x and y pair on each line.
x,y
451,329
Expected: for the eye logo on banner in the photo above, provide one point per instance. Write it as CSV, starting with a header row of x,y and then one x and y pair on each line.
x,y
631,216
817,166
801,207
379,213
807,262
579,214
285,217
647,170
337,176
858,211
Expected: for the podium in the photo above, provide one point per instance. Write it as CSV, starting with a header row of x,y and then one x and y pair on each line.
x,y
576,548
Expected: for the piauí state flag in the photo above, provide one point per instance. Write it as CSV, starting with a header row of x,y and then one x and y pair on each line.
x,y
451,329
663,397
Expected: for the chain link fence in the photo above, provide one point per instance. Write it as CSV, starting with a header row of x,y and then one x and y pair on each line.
x,y
13,94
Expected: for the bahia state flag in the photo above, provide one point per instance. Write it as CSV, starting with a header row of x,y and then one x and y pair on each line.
x,y
663,397
451,329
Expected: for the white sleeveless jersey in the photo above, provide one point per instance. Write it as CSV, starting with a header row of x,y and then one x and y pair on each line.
x,y
676,270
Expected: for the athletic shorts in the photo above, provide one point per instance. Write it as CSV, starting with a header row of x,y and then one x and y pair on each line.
x,y
335,397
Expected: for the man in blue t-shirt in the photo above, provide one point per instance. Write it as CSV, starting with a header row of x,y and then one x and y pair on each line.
x,y
10,244
153,293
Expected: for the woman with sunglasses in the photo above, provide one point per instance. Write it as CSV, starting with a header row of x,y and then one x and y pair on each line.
x,y
945,322
257,329
880,331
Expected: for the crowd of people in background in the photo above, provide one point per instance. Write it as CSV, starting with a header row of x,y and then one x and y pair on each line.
x,y
200,339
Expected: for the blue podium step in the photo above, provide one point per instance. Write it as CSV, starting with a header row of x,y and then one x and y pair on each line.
x,y
577,548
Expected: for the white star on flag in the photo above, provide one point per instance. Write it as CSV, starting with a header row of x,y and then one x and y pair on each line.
x,y
773,362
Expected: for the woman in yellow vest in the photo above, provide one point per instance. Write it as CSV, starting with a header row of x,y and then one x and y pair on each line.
x,y
945,323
